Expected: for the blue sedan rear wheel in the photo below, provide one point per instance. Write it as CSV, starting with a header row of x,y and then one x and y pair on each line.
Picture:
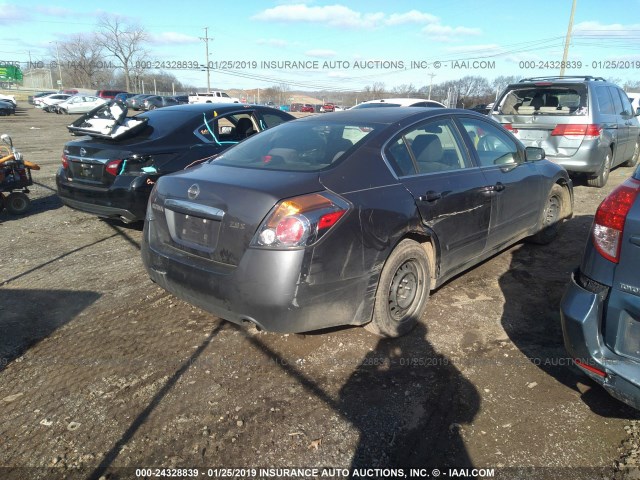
x,y
403,291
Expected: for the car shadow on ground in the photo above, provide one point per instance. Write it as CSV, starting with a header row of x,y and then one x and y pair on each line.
x,y
23,323
408,402
533,287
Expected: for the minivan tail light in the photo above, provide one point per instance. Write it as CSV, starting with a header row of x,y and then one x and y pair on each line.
x,y
113,167
608,224
588,131
300,221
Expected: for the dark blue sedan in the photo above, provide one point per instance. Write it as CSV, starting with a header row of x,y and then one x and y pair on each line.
x,y
348,218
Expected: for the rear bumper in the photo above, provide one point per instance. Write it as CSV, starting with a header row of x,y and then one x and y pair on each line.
x,y
125,200
267,288
581,314
588,159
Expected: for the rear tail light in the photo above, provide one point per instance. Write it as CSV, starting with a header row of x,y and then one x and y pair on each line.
x,y
65,161
608,225
113,167
300,221
588,131
509,127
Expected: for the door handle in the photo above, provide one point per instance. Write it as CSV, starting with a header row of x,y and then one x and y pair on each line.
x,y
430,196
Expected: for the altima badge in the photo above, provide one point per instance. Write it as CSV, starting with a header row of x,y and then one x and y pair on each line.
x,y
193,192
83,152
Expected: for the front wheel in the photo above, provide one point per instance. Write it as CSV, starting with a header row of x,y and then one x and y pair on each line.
x,y
403,291
17,203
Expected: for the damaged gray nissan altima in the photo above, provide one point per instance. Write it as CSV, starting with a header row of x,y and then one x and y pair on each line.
x,y
348,218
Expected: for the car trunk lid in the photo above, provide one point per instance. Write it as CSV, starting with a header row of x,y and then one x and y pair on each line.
x,y
210,213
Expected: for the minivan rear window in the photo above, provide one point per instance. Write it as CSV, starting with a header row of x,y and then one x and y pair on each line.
x,y
545,100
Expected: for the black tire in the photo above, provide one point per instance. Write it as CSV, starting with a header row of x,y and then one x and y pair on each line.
x,y
636,153
551,217
600,180
2,201
403,291
17,203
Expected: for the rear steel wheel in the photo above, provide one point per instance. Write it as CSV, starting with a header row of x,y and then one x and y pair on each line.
x,y
403,291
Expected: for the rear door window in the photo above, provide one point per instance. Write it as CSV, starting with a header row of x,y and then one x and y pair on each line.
x,y
428,148
222,129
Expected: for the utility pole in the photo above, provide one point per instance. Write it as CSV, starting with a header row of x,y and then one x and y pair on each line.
x,y
59,67
567,39
206,47
431,83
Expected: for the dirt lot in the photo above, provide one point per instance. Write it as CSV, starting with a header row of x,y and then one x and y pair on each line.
x,y
102,372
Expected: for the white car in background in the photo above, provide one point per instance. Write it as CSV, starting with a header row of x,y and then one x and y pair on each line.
x,y
399,102
78,104
46,102
10,98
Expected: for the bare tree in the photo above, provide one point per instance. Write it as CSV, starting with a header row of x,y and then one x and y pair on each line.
x,y
405,90
124,42
83,61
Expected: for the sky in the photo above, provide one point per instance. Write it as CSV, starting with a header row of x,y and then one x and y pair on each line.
x,y
336,45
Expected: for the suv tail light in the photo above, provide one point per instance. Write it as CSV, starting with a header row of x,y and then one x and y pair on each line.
x,y
65,161
608,225
588,131
300,221
113,166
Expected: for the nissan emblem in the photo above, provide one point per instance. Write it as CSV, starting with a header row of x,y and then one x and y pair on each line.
x,y
193,192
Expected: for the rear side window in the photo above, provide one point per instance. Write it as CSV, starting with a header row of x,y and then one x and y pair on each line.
x,y
430,147
605,102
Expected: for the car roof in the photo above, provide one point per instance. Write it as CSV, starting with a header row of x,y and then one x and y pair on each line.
x,y
383,116
218,107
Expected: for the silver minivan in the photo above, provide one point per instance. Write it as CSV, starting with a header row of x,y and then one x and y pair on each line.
x,y
585,124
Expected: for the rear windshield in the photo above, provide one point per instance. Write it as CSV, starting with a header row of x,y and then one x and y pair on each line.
x,y
297,146
544,100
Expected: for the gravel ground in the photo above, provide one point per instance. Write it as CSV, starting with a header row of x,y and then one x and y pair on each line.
x,y
102,372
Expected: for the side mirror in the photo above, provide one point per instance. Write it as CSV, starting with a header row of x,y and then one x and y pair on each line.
x,y
533,154
7,139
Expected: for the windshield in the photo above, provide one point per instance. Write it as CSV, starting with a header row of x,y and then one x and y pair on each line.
x,y
296,146
545,100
